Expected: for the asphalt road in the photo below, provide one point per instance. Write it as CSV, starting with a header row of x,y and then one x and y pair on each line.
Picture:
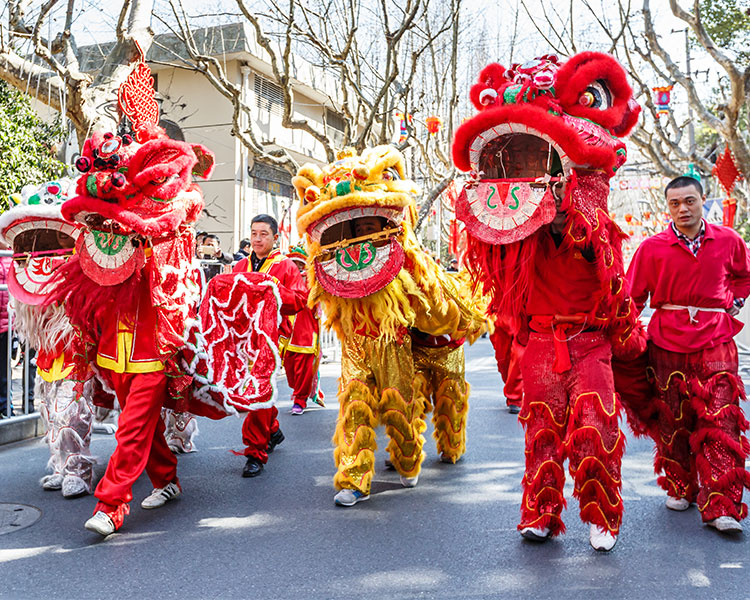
x,y
280,536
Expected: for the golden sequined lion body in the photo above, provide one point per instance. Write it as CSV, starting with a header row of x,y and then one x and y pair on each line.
x,y
378,288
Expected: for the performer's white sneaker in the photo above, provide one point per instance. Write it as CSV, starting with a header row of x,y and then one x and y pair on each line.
x,y
100,523
726,524
348,497
601,540
160,496
678,504
52,482
409,482
535,534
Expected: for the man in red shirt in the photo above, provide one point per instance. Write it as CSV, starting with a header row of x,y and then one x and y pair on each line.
x,y
697,276
570,408
301,350
508,352
260,431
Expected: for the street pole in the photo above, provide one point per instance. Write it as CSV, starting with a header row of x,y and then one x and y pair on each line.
x,y
691,129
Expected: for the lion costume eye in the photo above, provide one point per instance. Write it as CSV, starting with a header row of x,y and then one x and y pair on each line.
x,y
597,95
390,174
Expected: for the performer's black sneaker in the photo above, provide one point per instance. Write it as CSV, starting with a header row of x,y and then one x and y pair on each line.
x,y
276,439
253,467
514,409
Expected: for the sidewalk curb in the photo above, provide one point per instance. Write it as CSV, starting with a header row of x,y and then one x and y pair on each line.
x,y
20,428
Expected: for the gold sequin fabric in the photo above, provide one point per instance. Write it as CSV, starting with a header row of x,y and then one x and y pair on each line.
x,y
441,384
375,388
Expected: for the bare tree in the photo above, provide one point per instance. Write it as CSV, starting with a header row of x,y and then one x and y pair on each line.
x,y
43,61
389,58
637,37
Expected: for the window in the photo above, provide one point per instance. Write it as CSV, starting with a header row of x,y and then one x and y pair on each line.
x,y
335,121
335,127
268,96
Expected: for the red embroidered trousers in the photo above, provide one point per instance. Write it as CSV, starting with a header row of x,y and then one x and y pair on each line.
x,y
700,446
140,438
301,370
256,432
573,415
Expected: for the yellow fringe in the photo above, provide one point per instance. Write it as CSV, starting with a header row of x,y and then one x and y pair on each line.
x,y
354,438
449,418
404,426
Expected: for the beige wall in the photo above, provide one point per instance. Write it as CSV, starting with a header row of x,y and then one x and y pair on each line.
x,y
205,118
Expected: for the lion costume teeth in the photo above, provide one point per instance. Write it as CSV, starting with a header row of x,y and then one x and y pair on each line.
x,y
41,239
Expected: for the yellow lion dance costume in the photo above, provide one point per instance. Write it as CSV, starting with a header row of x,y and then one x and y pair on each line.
x,y
377,286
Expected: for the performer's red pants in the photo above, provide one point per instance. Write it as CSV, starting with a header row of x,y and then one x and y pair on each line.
x,y
508,353
699,443
140,438
571,415
300,374
256,432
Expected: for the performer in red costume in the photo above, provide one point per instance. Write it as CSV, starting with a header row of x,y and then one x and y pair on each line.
x,y
301,350
508,353
571,409
131,293
698,276
541,152
260,431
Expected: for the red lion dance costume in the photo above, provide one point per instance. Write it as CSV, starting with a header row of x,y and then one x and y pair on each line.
x,y
542,124
132,290
698,425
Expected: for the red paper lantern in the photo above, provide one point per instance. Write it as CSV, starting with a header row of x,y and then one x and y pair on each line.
x,y
646,214
662,97
628,218
433,124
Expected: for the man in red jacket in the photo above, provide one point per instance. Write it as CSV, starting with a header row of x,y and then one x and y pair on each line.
x,y
698,276
260,431
301,350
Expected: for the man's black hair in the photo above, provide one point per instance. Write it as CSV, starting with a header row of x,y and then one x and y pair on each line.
x,y
684,181
244,243
268,220
211,236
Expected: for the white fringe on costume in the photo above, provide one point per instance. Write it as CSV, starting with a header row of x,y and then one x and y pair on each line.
x,y
180,432
68,419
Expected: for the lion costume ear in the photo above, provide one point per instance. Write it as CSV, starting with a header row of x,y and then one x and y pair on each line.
x,y
206,161
309,177
384,157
